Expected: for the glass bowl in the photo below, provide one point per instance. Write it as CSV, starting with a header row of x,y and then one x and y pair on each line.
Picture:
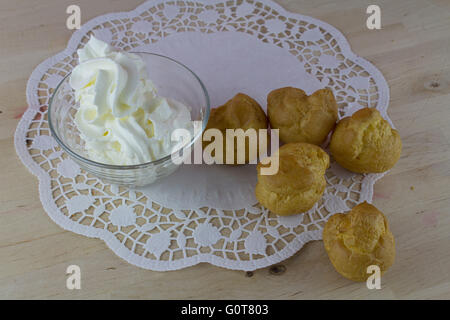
x,y
173,80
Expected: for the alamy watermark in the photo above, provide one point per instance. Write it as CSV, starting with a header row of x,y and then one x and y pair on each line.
x,y
374,280
238,144
73,280
374,20
74,19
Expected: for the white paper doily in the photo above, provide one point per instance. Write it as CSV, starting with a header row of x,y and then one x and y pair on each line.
x,y
203,213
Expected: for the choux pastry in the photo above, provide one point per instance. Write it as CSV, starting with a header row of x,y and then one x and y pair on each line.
x,y
365,142
356,240
299,182
302,118
240,112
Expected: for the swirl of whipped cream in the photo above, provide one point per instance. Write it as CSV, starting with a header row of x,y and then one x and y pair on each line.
x,y
121,119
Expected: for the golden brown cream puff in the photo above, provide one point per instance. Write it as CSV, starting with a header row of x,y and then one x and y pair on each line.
x,y
302,118
356,240
240,112
365,142
299,182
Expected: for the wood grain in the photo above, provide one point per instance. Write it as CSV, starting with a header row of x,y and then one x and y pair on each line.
x,y
413,52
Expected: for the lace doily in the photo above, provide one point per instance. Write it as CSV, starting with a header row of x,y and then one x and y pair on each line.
x,y
203,213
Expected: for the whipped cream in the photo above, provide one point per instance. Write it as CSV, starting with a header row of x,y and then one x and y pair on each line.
x,y
121,118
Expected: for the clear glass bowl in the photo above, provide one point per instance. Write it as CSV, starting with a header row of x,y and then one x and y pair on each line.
x,y
172,80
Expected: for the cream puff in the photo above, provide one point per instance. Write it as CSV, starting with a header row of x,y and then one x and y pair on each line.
x,y
365,142
300,180
357,240
302,118
240,112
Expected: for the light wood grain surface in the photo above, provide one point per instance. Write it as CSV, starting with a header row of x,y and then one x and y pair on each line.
x,y
413,52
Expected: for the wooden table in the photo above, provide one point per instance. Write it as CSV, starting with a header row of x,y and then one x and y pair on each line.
x,y
413,52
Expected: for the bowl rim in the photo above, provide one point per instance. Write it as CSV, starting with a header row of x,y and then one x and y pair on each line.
x,y
134,166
